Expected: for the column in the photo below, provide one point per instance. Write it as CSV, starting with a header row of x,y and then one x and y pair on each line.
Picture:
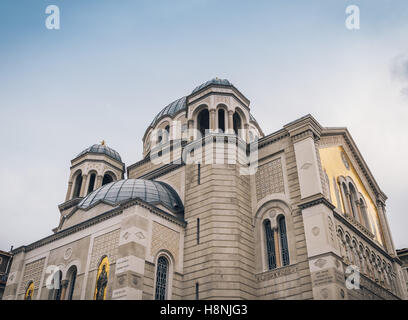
x,y
68,196
389,245
190,128
84,179
98,182
230,128
212,120
64,286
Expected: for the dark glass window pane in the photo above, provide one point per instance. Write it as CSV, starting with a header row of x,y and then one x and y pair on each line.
x,y
270,245
284,241
161,278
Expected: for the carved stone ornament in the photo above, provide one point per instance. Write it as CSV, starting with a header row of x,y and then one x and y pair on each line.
x,y
325,293
139,235
68,253
306,166
315,231
345,161
320,263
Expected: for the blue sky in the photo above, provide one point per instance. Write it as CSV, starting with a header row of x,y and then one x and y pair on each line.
x,y
114,65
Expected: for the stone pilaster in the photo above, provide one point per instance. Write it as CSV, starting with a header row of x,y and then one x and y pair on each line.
x,y
385,228
130,264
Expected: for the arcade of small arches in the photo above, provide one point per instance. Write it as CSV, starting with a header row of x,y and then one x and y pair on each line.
x,y
354,203
204,120
85,183
369,263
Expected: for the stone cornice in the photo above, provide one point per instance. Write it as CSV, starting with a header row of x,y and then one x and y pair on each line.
x,y
122,167
314,201
358,158
273,137
304,127
162,171
240,97
100,218
69,204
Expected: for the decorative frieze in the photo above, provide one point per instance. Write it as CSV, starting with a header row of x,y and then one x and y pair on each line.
x,y
269,179
32,272
164,238
106,244
276,273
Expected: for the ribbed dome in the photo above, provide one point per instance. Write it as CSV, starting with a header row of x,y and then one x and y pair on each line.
x,y
216,81
171,109
101,148
153,192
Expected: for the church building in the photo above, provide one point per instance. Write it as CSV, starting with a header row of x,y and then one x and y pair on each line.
x,y
216,209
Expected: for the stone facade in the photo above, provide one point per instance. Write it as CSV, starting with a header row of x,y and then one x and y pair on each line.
x,y
218,247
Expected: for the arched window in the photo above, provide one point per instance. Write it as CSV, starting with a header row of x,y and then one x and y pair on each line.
x,y
72,274
161,278
236,122
364,214
102,279
344,195
283,241
221,120
91,182
352,197
107,178
270,245
78,184
167,133
203,121
29,291
57,285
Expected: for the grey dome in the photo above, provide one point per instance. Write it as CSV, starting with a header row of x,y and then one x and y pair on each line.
x,y
153,192
171,109
216,81
101,148
181,104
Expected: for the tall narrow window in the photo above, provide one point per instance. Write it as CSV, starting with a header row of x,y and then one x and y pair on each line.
x,y
167,133
283,241
78,184
352,198
91,182
236,122
199,173
270,245
221,120
57,285
203,122
161,278
197,290
72,278
198,230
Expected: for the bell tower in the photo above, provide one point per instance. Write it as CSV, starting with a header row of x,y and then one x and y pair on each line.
x,y
92,168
